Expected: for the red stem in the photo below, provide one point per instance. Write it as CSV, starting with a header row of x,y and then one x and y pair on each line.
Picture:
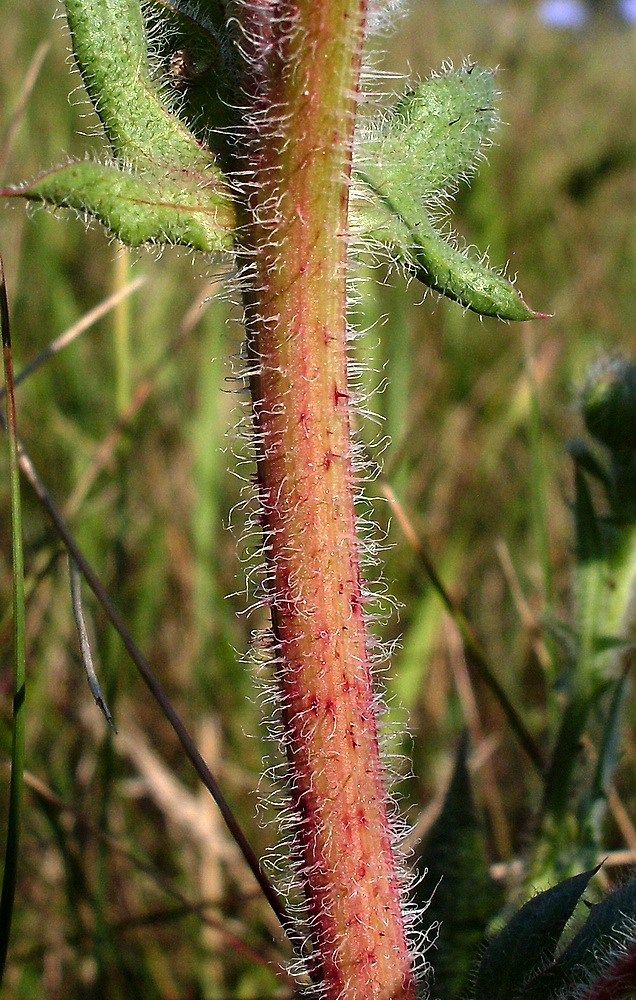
x,y
302,70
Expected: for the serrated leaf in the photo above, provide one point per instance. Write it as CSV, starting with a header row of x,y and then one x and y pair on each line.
x,y
466,898
589,953
176,207
408,165
528,942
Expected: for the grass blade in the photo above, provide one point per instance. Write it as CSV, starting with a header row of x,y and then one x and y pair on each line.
x,y
19,649
85,649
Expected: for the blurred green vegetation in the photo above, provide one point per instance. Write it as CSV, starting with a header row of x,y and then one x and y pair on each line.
x,y
131,429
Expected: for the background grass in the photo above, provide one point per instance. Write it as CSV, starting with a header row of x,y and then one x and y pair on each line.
x,y
129,430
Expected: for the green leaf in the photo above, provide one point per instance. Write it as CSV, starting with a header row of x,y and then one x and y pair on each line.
x,y
409,164
611,644
591,578
570,641
609,404
168,187
176,207
443,267
528,942
590,952
111,48
207,16
593,805
466,898
429,141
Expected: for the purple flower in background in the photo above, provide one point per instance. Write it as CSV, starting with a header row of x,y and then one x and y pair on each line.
x,y
627,10
575,13
563,13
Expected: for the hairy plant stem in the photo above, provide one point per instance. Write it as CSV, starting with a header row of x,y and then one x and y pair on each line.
x,y
302,63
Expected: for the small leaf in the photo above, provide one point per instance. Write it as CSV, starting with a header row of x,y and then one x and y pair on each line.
x,y
609,404
528,942
409,164
589,544
593,805
570,640
208,17
177,207
437,263
466,898
611,644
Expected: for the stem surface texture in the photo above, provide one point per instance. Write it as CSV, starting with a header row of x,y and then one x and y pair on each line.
x,y
302,64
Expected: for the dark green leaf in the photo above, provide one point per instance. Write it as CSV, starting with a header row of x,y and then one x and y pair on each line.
x,y
582,455
593,804
528,942
466,897
589,953
196,60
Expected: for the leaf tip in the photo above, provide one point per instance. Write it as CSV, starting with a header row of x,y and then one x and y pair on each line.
x,y
541,315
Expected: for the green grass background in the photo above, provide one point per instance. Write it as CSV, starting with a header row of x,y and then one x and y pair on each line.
x,y
477,414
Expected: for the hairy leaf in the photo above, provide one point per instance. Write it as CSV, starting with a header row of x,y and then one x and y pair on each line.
x,y
197,61
431,138
609,929
176,207
440,265
618,982
110,45
409,164
528,942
